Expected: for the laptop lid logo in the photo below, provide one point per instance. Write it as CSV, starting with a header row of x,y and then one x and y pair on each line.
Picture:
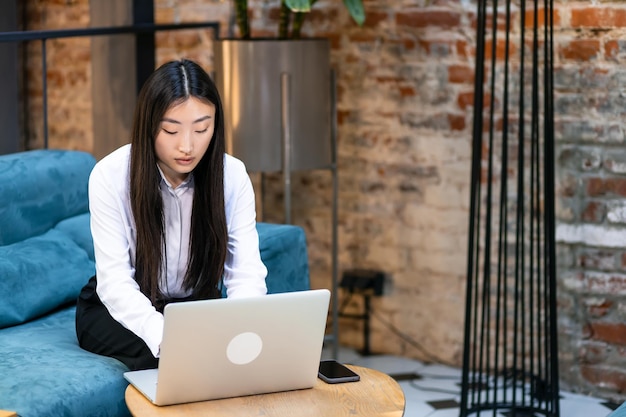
x,y
244,348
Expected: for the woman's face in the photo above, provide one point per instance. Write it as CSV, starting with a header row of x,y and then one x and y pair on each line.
x,y
184,136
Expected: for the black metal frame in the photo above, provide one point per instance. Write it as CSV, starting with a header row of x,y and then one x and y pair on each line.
x,y
137,29
510,357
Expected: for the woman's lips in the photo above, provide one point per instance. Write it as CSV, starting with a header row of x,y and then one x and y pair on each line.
x,y
184,161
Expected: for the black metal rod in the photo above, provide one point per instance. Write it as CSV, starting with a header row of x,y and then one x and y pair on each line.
x,y
470,322
518,321
549,190
469,293
501,311
44,35
510,358
485,366
32,35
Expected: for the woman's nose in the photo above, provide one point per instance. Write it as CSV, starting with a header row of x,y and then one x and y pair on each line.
x,y
186,144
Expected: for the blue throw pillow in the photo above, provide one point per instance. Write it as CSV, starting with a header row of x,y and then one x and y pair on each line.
x,y
39,189
40,274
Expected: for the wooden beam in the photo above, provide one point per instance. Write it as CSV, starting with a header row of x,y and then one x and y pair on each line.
x,y
113,77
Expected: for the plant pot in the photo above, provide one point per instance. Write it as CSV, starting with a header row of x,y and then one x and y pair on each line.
x,y
277,97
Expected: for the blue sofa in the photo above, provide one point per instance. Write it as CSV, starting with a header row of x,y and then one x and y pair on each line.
x,y
46,256
619,411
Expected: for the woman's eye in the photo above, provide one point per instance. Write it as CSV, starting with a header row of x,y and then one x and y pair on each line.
x,y
202,131
169,132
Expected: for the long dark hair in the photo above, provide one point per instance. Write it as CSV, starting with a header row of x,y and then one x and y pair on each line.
x,y
171,84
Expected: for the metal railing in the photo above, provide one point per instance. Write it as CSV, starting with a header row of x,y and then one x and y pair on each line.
x,y
44,35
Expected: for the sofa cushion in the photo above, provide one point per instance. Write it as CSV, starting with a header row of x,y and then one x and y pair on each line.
x,y
40,274
79,230
41,188
284,253
44,373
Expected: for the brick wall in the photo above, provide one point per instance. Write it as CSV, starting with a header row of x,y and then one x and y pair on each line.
x,y
69,76
589,82
405,93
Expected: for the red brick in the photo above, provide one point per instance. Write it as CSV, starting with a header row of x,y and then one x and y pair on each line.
x,y
424,18
409,44
460,74
597,187
541,17
500,21
388,79
466,100
407,91
594,212
464,49
605,376
373,18
343,116
598,17
457,122
581,49
363,37
611,49
334,39
609,332
500,49
55,78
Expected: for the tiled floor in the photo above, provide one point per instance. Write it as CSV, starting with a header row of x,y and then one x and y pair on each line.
x,y
437,392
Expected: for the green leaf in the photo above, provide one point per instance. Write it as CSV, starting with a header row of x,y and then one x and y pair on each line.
x,y
355,8
299,5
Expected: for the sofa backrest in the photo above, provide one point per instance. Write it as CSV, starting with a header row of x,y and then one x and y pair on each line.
x,y
46,252
40,188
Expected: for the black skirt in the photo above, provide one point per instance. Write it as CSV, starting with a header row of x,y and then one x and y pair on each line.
x,y
98,332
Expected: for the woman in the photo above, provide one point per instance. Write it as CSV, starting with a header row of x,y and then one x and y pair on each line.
x,y
172,219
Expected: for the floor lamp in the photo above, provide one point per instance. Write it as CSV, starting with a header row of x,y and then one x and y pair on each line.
x,y
281,117
510,361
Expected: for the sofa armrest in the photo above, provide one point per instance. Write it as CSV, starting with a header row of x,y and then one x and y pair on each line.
x,y
284,253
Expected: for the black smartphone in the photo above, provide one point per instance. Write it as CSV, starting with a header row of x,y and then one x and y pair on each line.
x,y
332,372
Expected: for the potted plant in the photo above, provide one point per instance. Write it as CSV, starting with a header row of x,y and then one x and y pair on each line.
x,y
263,81
292,13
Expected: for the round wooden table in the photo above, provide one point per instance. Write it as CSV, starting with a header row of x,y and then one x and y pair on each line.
x,y
376,394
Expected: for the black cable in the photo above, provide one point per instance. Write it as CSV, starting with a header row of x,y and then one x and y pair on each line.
x,y
431,357
444,391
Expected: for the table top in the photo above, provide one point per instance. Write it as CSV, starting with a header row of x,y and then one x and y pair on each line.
x,y
5,413
376,394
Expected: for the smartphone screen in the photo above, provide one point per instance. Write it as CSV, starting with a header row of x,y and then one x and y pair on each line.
x,y
333,372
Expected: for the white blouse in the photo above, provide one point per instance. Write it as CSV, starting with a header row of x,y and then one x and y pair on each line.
x,y
114,236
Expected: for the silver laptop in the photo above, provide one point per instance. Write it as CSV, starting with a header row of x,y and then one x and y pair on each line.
x,y
233,347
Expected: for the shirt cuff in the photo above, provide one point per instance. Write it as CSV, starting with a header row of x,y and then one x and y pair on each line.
x,y
153,334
